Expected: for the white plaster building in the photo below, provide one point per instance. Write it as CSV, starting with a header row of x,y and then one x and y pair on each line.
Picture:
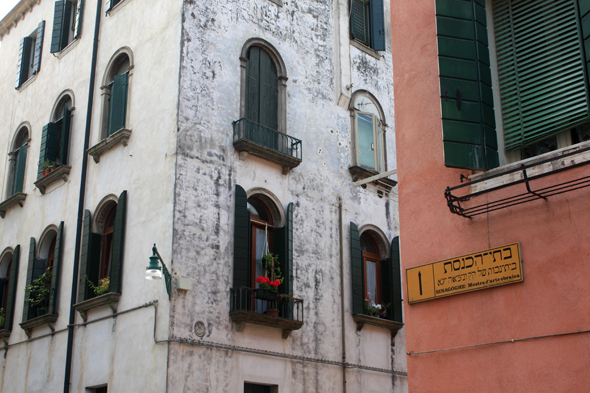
x,y
206,125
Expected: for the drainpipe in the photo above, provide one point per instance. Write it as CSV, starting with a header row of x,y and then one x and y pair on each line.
x,y
70,347
342,296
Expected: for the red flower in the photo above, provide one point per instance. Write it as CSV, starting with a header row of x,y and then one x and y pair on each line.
x,y
265,280
274,283
259,279
278,282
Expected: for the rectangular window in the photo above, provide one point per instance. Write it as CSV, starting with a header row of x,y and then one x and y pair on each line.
x,y
367,24
29,58
66,23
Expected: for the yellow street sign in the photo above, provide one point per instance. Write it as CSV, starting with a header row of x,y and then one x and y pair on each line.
x,y
471,272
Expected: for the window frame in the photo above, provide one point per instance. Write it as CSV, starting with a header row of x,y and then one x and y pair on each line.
x,y
372,257
375,25
72,26
13,160
31,50
379,133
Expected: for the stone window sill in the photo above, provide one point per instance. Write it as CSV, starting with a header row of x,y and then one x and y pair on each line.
x,y
366,49
359,173
67,49
110,299
16,199
117,7
27,83
119,137
362,320
61,172
4,335
47,319
243,317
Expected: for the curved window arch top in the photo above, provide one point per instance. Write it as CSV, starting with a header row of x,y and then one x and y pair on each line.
x,y
56,136
5,264
263,90
369,130
17,162
115,91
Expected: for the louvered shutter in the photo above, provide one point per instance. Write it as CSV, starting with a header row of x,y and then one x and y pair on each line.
x,y
89,259
118,105
12,284
540,69
24,59
49,145
78,29
28,309
253,84
65,137
359,21
356,271
377,25
116,275
268,92
584,18
61,25
39,47
55,270
241,240
283,238
19,175
469,128
391,282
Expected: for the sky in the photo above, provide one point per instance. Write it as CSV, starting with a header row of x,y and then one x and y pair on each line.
x,y
6,6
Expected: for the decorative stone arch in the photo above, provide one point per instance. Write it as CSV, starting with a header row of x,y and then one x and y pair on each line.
x,y
272,202
47,237
16,137
281,76
64,95
5,257
375,101
114,63
379,237
21,137
101,212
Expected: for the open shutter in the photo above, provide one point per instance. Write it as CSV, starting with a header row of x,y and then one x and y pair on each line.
x,y
11,296
284,246
118,243
19,175
55,270
78,28
61,25
118,106
39,47
356,270
27,309
584,15
49,145
253,84
89,259
24,59
241,240
268,92
469,128
65,137
377,25
391,285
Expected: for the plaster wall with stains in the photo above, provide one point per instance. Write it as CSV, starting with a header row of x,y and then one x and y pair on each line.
x,y
312,38
118,351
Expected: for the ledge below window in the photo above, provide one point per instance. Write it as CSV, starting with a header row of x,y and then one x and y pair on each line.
x,y
110,299
359,173
16,199
362,320
61,172
119,137
47,319
4,334
287,325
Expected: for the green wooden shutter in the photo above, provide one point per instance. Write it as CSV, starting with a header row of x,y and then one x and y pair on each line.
x,y
584,23
268,92
24,59
359,21
284,247
377,25
113,3
116,274
27,309
89,259
79,18
65,137
118,105
253,84
540,67
356,270
49,145
469,128
55,270
391,283
19,174
241,240
12,284
39,47
61,25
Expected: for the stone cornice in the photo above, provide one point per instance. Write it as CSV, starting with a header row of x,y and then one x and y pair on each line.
x,y
16,15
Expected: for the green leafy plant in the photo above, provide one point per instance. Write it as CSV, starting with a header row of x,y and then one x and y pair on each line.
x,y
48,165
270,263
375,309
101,288
39,290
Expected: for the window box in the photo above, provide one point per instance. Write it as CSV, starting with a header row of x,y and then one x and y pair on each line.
x,y
61,172
16,199
110,299
362,320
47,319
244,308
267,143
119,137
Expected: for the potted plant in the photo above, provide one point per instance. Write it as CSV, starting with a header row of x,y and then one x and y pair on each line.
x,y
39,292
47,166
101,288
375,310
269,283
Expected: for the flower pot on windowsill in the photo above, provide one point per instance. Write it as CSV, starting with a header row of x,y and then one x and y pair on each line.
x,y
265,294
44,172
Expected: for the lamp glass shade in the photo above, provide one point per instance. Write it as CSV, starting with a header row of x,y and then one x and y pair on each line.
x,y
153,271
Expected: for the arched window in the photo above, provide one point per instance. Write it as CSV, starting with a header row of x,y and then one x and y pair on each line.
x,y
8,279
115,90
17,162
371,268
368,130
106,253
55,138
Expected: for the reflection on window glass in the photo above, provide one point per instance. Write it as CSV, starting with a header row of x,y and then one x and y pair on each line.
x,y
366,141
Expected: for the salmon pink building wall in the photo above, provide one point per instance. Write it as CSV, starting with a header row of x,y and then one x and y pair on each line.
x,y
554,299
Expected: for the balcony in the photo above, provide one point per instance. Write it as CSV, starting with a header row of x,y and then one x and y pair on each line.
x,y
268,144
246,307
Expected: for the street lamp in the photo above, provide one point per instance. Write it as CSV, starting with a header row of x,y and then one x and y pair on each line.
x,y
154,271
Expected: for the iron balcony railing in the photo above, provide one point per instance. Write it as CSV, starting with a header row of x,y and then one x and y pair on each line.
x,y
287,307
268,138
